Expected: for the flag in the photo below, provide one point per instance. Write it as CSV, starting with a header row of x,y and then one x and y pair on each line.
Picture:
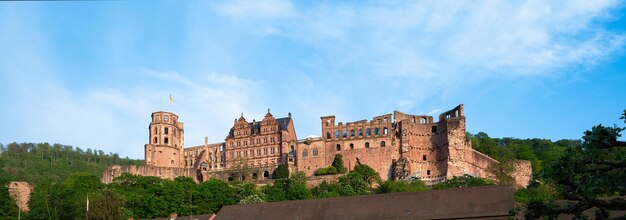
x,y
171,99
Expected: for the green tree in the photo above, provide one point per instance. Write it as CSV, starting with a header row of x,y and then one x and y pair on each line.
x,y
105,205
463,182
281,172
8,207
391,186
329,170
338,163
588,176
370,176
211,195
352,184
325,190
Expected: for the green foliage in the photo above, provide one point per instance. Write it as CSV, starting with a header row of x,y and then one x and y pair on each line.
x,y
8,207
370,176
352,184
338,163
281,172
106,205
463,182
251,199
293,188
329,170
35,162
588,175
211,195
325,190
391,186
540,193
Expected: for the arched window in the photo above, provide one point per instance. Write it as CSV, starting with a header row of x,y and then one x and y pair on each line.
x,y
368,132
166,118
382,144
344,133
315,152
172,162
351,133
385,131
305,153
338,147
422,120
327,135
254,176
367,144
351,146
266,174
336,133
360,132
375,131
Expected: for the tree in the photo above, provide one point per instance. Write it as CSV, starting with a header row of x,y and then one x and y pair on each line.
x,y
370,176
281,172
106,205
390,186
8,206
211,195
352,184
325,190
588,176
463,182
293,188
338,163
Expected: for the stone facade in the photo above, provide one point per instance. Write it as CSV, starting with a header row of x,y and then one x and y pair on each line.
x,y
397,146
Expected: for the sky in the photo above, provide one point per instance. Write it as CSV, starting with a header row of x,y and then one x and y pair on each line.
x,y
90,73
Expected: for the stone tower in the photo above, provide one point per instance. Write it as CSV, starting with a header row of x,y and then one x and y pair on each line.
x,y
166,141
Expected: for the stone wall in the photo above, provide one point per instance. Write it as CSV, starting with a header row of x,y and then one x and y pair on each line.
x,y
20,191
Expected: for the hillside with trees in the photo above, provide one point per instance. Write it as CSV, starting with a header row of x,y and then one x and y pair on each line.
x,y
35,162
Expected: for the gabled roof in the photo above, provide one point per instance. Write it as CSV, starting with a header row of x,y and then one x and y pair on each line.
x,y
283,124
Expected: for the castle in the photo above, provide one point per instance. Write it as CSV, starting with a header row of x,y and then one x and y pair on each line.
x,y
397,146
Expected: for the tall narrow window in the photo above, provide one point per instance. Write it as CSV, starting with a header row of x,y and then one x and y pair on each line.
x,y
338,146
166,131
305,153
360,132
424,157
165,140
367,144
375,131
382,144
368,132
155,140
351,133
344,134
351,146
327,135
385,131
315,152
336,134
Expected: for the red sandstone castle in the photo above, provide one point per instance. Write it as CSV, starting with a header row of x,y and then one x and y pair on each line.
x,y
397,146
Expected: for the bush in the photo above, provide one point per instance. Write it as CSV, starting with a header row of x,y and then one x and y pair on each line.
x,y
462,182
330,170
390,186
338,163
281,172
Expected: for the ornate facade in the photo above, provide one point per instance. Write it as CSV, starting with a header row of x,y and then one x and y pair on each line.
x,y
397,146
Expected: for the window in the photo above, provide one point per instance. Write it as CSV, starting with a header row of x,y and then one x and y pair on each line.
x,y
434,129
166,118
382,144
252,153
367,144
368,132
258,152
351,133
338,147
424,157
155,140
422,120
375,131
166,131
266,174
265,151
327,135
344,134
273,150
292,149
385,131
238,154
336,133
360,132
351,146
172,162
165,140
305,153
315,152
428,172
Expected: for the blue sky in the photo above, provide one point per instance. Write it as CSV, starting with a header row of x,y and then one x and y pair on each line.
x,y
89,74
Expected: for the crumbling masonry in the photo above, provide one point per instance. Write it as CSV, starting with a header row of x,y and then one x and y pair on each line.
x,y
397,146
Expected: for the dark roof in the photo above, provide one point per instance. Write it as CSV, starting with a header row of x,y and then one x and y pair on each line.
x,y
493,202
255,127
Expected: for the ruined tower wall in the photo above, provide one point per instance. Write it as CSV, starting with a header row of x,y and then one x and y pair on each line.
x,y
165,141
312,156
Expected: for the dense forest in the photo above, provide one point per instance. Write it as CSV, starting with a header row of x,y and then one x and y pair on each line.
x,y
35,162
588,173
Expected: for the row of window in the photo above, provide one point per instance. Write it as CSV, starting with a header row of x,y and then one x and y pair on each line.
x,y
368,132
367,145
239,133
258,141
166,118
251,152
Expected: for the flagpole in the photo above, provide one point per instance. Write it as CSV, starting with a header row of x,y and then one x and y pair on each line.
x,y
87,211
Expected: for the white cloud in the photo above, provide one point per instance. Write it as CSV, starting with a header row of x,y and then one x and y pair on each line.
x,y
256,9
